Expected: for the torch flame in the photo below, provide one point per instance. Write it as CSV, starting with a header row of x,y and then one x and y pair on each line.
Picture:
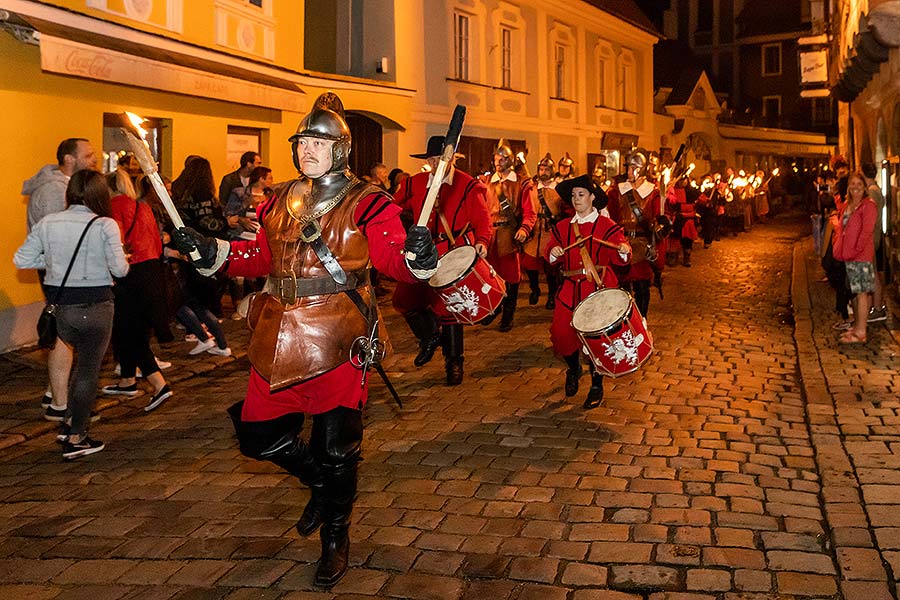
x,y
136,122
775,172
690,169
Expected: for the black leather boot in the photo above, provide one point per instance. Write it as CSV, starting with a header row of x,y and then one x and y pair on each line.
x,y
340,491
595,394
509,307
573,374
278,441
425,327
552,286
686,257
534,283
453,353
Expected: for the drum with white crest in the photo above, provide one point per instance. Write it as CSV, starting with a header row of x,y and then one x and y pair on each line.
x,y
613,332
467,287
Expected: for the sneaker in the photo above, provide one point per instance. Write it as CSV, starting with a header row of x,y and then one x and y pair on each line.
x,y
842,325
95,416
220,351
203,346
190,338
158,398
162,364
124,390
63,435
877,314
83,448
236,316
53,414
46,401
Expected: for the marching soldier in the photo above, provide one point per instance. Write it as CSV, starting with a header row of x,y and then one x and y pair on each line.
x,y
318,236
460,217
513,218
634,203
549,209
566,168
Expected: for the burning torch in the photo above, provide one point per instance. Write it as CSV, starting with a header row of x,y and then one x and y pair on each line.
x,y
136,136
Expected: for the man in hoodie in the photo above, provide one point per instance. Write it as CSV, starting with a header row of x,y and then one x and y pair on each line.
x,y
46,192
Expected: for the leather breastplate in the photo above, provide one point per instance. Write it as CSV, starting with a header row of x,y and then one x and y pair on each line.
x,y
295,342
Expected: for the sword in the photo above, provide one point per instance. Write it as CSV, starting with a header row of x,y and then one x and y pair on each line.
x,y
366,352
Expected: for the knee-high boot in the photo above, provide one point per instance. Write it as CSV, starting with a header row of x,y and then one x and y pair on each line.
x,y
641,291
279,442
595,394
552,275
509,307
534,283
686,258
453,353
573,373
335,441
425,327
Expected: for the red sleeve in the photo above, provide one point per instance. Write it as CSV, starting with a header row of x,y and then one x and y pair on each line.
x,y
379,220
613,206
404,194
868,215
252,258
479,215
555,240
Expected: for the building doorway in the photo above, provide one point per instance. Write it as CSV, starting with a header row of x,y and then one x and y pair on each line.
x,y
479,153
367,143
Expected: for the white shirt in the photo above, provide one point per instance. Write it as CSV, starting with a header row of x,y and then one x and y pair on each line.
x,y
511,176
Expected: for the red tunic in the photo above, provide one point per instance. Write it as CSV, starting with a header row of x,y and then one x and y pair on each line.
x,y
462,202
576,287
339,386
650,205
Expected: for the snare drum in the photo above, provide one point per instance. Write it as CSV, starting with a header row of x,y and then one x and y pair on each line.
x,y
613,331
467,287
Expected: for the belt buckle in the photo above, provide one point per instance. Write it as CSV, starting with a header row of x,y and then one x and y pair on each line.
x,y
316,233
282,281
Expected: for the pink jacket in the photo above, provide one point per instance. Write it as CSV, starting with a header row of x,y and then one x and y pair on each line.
x,y
853,242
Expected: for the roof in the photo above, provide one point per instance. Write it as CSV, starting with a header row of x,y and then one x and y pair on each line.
x,y
628,11
684,87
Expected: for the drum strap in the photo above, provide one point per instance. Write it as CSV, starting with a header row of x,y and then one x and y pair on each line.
x,y
589,267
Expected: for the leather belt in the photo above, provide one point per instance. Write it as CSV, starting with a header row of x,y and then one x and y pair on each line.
x,y
574,273
312,235
501,223
289,289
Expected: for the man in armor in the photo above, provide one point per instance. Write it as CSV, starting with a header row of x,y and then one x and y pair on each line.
x,y
541,191
316,324
566,168
634,203
460,218
513,217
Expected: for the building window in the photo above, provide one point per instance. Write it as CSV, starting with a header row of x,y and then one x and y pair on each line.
x,y
115,146
256,3
461,46
704,30
601,83
771,107
505,57
821,111
771,59
560,70
239,140
626,84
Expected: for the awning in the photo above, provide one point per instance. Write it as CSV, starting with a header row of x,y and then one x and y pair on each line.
x,y
80,53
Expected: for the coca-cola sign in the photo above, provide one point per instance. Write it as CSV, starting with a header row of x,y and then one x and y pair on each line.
x,y
87,64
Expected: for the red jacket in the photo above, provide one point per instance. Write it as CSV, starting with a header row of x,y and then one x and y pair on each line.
x,y
135,218
462,202
854,241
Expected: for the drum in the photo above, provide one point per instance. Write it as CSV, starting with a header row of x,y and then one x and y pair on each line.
x,y
613,331
466,286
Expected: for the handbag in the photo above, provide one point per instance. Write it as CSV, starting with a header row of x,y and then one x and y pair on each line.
x,y
46,325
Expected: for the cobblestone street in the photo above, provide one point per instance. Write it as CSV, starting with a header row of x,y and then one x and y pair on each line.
x,y
751,458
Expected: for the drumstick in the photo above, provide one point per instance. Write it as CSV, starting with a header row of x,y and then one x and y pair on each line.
x,y
584,240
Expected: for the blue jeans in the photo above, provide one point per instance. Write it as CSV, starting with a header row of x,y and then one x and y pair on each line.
x,y
87,329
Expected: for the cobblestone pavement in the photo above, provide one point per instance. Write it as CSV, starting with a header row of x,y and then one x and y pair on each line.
x,y
714,473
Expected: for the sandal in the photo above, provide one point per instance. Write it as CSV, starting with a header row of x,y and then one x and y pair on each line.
x,y
851,337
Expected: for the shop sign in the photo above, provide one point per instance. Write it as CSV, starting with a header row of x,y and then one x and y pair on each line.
x,y
813,66
81,60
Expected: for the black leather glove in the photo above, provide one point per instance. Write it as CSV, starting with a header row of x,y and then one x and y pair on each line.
x,y
419,242
187,239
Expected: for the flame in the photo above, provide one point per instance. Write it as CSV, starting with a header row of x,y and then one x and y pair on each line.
x,y
690,168
136,122
775,172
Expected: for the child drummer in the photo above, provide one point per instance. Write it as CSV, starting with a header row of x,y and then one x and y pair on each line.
x,y
587,244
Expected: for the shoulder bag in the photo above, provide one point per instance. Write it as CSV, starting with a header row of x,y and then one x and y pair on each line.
x,y
46,325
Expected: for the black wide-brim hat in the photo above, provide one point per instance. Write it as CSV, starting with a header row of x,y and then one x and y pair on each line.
x,y
564,189
435,147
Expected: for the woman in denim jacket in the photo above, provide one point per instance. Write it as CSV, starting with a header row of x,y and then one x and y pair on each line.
x,y
84,317
854,244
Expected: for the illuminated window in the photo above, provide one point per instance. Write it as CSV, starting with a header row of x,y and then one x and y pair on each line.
x,y
505,57
560,70
461,46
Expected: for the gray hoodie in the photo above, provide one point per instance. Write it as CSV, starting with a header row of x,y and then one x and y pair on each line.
x,y
46,192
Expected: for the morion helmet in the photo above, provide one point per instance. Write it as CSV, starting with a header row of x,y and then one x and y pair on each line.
x,y
326,121
547,161
636,162
567,161
503,149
